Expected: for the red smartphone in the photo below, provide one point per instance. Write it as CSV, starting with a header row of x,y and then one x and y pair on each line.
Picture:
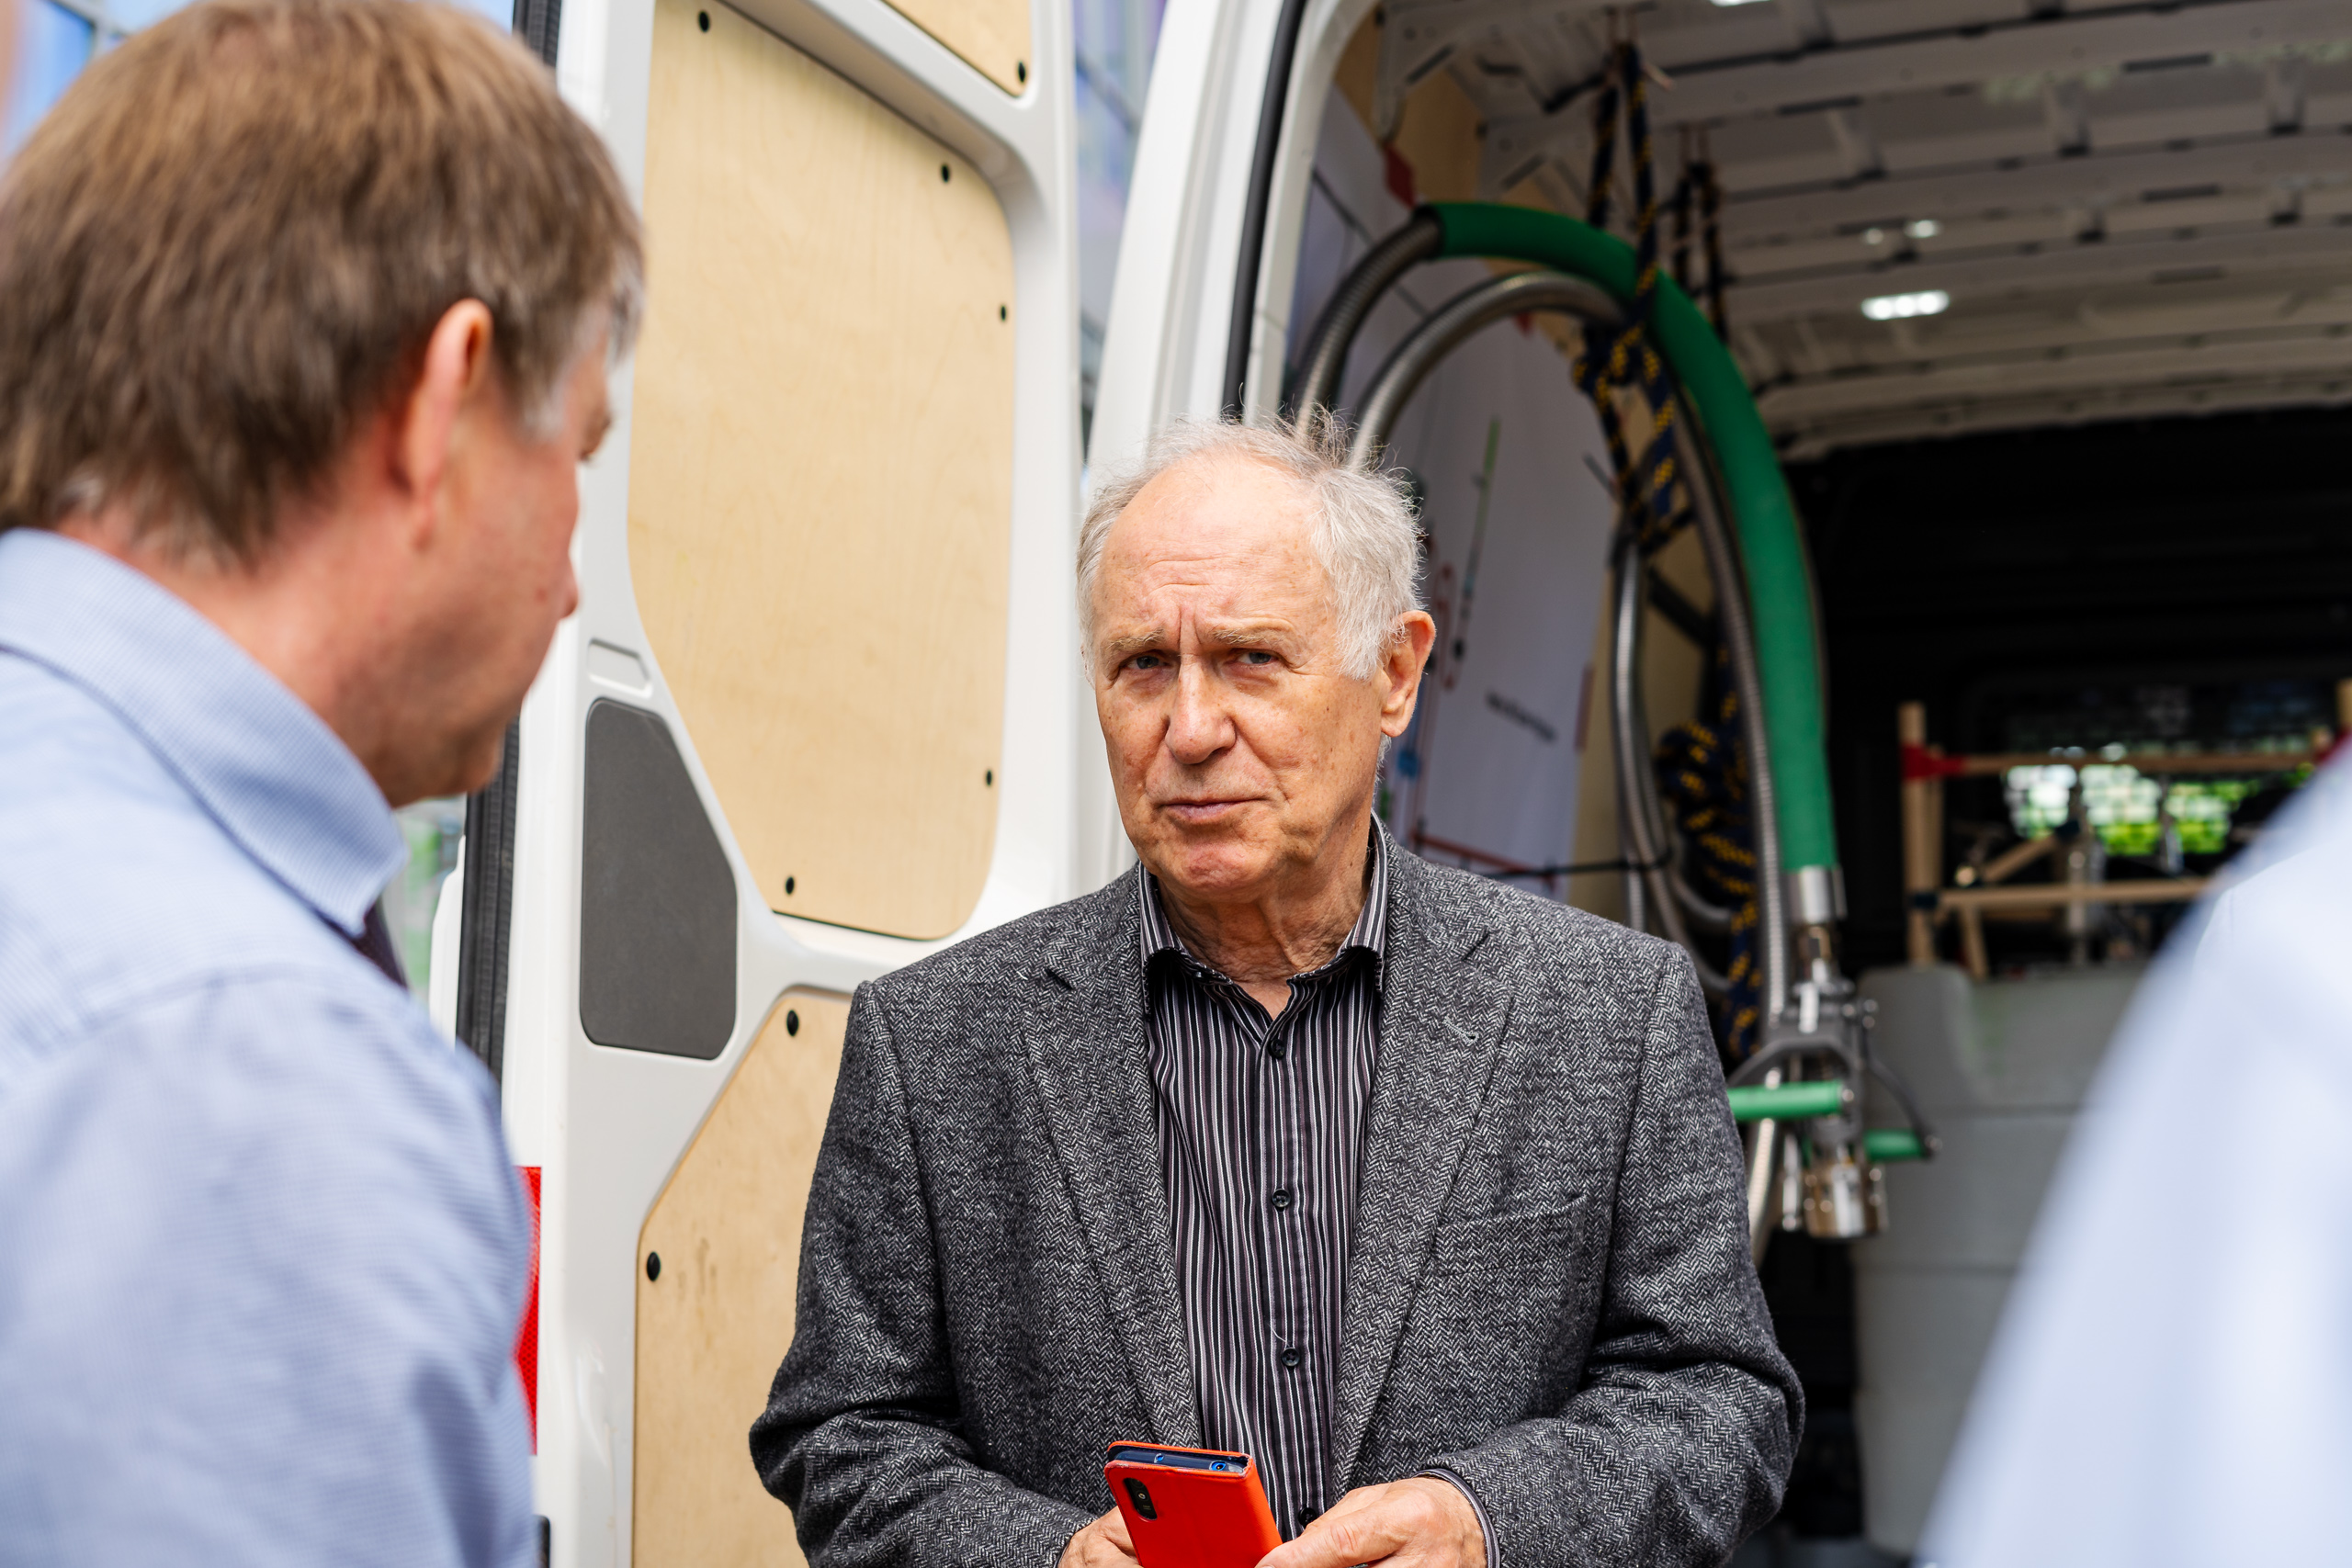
x,y
1192,1507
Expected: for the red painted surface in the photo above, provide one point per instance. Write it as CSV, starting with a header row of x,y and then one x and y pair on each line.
x,y
527,1342
1918,762
1399,176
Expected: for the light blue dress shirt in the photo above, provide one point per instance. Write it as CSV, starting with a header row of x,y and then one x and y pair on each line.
x,y
2172,1383
262,1252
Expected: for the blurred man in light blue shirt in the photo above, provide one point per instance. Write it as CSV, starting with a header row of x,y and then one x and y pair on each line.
x,y
305,310
2171,1384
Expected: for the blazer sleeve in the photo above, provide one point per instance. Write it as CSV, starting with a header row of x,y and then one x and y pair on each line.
x,y
1679,1442
860,1434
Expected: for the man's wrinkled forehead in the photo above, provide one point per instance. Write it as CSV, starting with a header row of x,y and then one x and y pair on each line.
x,y
1202,518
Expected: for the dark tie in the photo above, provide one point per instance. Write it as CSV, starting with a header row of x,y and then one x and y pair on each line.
x,y
375,944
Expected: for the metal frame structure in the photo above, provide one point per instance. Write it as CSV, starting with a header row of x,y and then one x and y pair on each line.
x,y
2133,209
2076,886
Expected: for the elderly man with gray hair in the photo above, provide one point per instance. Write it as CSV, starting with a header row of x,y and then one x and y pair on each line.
x,y
1419,1189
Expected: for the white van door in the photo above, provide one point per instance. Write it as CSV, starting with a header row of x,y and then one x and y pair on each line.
x,y
818,714
1199,313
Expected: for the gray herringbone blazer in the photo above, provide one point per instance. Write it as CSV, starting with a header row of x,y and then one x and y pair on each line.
x,y
1550,1294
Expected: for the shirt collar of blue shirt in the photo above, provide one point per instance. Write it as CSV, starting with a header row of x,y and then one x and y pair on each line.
x,y
267,768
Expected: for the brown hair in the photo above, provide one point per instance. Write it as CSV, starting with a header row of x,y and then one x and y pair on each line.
x,y
223,251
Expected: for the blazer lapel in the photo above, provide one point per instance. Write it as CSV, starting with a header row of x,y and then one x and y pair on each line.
x,y
1088,1058
1441,1023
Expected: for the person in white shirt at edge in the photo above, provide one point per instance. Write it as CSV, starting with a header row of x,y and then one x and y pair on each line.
x,y
2172,1382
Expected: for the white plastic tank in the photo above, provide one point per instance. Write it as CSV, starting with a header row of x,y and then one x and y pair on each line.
x,y
2000,1068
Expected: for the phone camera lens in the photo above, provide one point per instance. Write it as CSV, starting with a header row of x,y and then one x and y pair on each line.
x,y
1140,1496
1220,1464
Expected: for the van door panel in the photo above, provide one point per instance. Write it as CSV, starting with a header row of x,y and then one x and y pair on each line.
x,y
656,900
824,564
991,35
714,1314
820,493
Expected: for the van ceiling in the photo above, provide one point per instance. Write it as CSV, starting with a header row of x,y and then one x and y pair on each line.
x,y
2133,210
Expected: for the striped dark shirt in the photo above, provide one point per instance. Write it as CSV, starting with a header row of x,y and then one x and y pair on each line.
x,y
1260,1123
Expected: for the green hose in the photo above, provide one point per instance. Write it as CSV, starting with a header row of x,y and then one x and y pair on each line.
x,y
1763,516
1788,1101
1816,1097
1883,1144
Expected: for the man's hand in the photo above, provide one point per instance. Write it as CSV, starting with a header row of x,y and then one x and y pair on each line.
x,y
1103,1544
1419,1523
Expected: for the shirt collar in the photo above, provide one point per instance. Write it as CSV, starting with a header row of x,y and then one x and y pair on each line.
x,y
258,760
1369,934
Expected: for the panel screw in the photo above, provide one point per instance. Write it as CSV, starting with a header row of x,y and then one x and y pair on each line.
x,y
703,19
1021,71
942,174
653,1266
1002,315
787,887
791,1021
988,778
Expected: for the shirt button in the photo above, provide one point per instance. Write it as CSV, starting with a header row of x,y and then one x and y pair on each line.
x,y
1277,1050
1280,1198
1291,1356
1308,1514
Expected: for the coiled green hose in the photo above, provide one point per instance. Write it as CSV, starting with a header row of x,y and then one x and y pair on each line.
x,y
1763,516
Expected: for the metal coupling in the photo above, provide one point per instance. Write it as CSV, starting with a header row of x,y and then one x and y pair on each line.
x,y
1817,895
1844,1198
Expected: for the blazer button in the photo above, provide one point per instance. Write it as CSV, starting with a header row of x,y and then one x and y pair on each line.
x,y
1291,1356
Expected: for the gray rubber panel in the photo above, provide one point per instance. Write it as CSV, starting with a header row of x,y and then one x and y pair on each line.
x,y
656,900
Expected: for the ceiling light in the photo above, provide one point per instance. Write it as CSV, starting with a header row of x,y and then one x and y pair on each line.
x,y
1729,2
1873,236
1896,307
1923,228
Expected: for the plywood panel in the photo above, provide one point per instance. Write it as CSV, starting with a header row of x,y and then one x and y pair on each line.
x,y
821,471
712,1328
993,36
